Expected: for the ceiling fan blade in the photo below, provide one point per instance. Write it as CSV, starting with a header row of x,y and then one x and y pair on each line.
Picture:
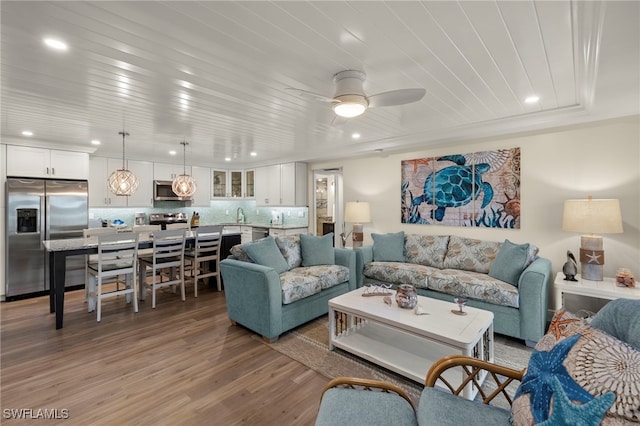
x,y
396,97
307,94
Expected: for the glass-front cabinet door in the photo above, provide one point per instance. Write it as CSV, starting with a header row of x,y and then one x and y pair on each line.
x,y
249,179
236,183
220,184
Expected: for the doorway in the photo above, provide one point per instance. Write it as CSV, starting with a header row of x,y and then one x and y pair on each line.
x,y
327,203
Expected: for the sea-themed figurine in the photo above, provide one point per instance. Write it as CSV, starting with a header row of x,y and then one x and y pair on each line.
x,y
454,186
570,268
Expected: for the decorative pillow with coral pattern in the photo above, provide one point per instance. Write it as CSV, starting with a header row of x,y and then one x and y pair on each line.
x,y
587,363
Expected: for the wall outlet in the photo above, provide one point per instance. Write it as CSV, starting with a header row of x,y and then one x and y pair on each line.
x,y
289,213
258,211
226,212
301,213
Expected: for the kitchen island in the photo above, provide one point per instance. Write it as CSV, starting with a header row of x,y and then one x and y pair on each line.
x,y
59,250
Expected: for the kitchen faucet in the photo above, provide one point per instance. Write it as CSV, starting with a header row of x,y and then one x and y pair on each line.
x,y
239,215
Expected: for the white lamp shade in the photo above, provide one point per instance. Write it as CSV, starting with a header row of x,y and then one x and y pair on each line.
x,y
122,182
357,212
184,186
592,216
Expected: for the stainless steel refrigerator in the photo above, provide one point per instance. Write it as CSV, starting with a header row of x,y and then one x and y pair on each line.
x,y
38,210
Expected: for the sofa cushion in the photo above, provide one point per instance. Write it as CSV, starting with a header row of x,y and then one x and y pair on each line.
x,y
238,253
589,364
341,406
265,252
289,246
443,408
621,319
399,273
510,262
474,285
427,250
470,255
388,247
328,275
317,250
296,286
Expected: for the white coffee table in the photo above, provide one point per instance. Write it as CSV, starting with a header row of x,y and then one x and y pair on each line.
x,y
406,343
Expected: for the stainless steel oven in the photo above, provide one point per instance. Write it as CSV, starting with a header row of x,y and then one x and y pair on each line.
x,y
258,233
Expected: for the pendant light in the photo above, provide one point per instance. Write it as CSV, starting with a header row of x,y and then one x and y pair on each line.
x,y
184,186
122,181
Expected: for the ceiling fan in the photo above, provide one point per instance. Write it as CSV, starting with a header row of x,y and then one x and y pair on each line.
x,y
351,101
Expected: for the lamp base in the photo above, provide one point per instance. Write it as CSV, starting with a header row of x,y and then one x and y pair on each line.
x,y
357,235
591,258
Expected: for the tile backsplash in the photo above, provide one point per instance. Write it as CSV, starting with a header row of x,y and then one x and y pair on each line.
x,y
219,211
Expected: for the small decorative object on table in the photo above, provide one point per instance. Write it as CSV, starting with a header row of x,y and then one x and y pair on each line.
x,y
462,302
406,296
624,278
376,290
570,268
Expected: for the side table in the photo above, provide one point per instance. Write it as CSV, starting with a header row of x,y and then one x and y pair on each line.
x,y
606,289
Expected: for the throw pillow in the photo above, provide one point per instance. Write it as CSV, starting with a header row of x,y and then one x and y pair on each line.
x,y
510,262
469,254
317,250
621,319
265,252
388,247
589,365
289,246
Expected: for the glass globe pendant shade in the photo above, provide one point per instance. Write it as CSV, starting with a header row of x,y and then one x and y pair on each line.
x,y
122,182
184,186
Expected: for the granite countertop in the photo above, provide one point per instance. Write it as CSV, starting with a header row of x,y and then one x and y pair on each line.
x,y
289,226
82,243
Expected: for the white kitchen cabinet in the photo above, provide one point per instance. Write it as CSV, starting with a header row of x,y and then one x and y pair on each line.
x,y
46,163
100,168
246,234
281,185
164,171
278,232
220,179
202,197
249,183
143,197
2,253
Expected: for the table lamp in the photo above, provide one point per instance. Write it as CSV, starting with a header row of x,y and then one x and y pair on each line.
x,y
592,216
357,213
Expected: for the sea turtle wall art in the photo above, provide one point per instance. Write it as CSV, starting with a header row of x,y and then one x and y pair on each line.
x,y
478,189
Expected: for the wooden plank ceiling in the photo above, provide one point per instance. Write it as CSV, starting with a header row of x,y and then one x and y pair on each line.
x,y
216,73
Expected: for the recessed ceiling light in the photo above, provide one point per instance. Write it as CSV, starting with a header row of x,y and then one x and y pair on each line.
x,y
227,159
355,136
95,142
27,133
55,43
172,152
253,153
532,99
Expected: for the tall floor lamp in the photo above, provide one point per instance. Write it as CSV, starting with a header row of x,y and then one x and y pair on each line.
x,y
357,213
592,216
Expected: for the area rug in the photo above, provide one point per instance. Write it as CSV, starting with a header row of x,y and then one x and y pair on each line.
x,y
309,345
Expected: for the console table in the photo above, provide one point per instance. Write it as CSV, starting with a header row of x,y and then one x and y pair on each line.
x,y
605,289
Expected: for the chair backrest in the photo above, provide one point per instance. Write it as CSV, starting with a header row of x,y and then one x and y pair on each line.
x,y
168,247
207,242
117,253
94,232
146,230
178,226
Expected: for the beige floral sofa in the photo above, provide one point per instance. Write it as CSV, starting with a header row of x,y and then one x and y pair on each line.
x,y
508,279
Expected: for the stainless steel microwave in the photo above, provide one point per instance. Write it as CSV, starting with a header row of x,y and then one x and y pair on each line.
x,y
162,191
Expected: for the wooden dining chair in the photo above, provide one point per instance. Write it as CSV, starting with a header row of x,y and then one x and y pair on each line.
x,y
205,254
87,234
167,255
117,255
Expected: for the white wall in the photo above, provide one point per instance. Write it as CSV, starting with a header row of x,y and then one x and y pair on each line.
x,y
602,159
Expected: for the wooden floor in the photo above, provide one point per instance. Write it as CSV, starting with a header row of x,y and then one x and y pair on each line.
x,y
180,364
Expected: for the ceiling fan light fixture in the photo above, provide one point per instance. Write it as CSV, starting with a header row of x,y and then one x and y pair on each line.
x,y
350,106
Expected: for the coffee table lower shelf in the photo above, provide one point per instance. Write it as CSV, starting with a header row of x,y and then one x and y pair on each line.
x,y
400,351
